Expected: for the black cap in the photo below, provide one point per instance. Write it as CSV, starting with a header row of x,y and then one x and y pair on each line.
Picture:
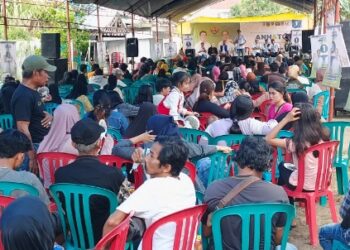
x,y
86,132
242,107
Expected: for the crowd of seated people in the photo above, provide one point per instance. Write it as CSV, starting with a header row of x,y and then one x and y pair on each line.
x,y
230,92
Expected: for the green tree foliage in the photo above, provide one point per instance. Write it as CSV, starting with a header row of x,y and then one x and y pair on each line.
x,y
345,10
257,8
28,19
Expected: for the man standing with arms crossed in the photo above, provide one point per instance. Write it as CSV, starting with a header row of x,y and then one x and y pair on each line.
x,y
27,107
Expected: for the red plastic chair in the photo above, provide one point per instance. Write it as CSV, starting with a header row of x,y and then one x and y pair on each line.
x,y
53,160
114,161
203,120
116,239
4,202
326,152
187,222
259,116
191,170
264,107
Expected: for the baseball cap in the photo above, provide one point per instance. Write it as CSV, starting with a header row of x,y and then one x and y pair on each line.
x,y
86,132
242,107
33,62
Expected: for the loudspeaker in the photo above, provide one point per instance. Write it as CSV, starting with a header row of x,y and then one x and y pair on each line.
x,y
190,52
212,51
50,45
306,40
62,66
132,47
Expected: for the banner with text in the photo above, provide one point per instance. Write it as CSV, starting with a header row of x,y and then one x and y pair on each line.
x,y
297,38
320,53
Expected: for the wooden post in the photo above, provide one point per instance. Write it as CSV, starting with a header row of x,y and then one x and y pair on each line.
x,y
170,37
98,24
157,31
133,35
69,47
5,19
315,14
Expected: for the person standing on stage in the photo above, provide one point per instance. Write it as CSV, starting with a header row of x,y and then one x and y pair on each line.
x,y
203,45
267,48
226,46
240,41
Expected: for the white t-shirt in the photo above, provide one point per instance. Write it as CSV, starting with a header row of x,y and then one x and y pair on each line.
x,y
157,98
159,197
251,126
199,50
275,47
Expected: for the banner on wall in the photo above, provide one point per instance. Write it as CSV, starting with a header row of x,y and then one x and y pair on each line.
x,y
8,58
296,39
332,76
320,53
188,42
170,49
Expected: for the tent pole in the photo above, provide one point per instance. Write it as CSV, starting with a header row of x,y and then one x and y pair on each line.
x,y
133,35
5,19
70,62
315,14
98,23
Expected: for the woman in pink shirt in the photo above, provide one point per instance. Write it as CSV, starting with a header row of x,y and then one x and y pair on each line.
x,y
308,131
279,100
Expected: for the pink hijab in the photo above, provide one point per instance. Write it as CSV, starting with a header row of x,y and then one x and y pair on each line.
x,y
216,73
65,116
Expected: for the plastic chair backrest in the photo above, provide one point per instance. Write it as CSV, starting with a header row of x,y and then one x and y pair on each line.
x,y
337,133
64,90
258,116
114,161
230,140
95,86
50,107
325,105
296,90
190,170
220,166
76,198
116,239
326,152
251,215
264,107
78,104
6,121
51,161
337,245
7,188
193,135
186,221
114,133
263,85
131,92
278,157
203,120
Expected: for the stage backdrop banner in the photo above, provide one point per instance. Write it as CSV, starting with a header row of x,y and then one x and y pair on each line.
x,y
188,42
320,53
8,58
297,38
333,73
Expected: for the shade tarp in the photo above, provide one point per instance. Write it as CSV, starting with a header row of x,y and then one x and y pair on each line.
x,y
278,17
174,9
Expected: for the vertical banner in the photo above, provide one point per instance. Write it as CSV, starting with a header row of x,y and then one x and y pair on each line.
x,y
158,48
170,49
320,53
338,38
297,38
333,73
101,53
188,42
8,58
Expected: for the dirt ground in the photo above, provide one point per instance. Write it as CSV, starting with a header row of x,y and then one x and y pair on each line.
x,y
299,236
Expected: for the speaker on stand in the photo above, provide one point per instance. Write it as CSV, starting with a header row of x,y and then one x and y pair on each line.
x,y
51,45
132,47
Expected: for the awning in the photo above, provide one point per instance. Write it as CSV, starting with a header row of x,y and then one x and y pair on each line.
x,y
278,17
174,9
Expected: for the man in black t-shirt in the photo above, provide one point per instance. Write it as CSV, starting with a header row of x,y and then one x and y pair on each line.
x,y
253,158
88,170
26,105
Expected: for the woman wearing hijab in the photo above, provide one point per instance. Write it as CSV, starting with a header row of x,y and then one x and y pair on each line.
x,y
26,224
138,125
